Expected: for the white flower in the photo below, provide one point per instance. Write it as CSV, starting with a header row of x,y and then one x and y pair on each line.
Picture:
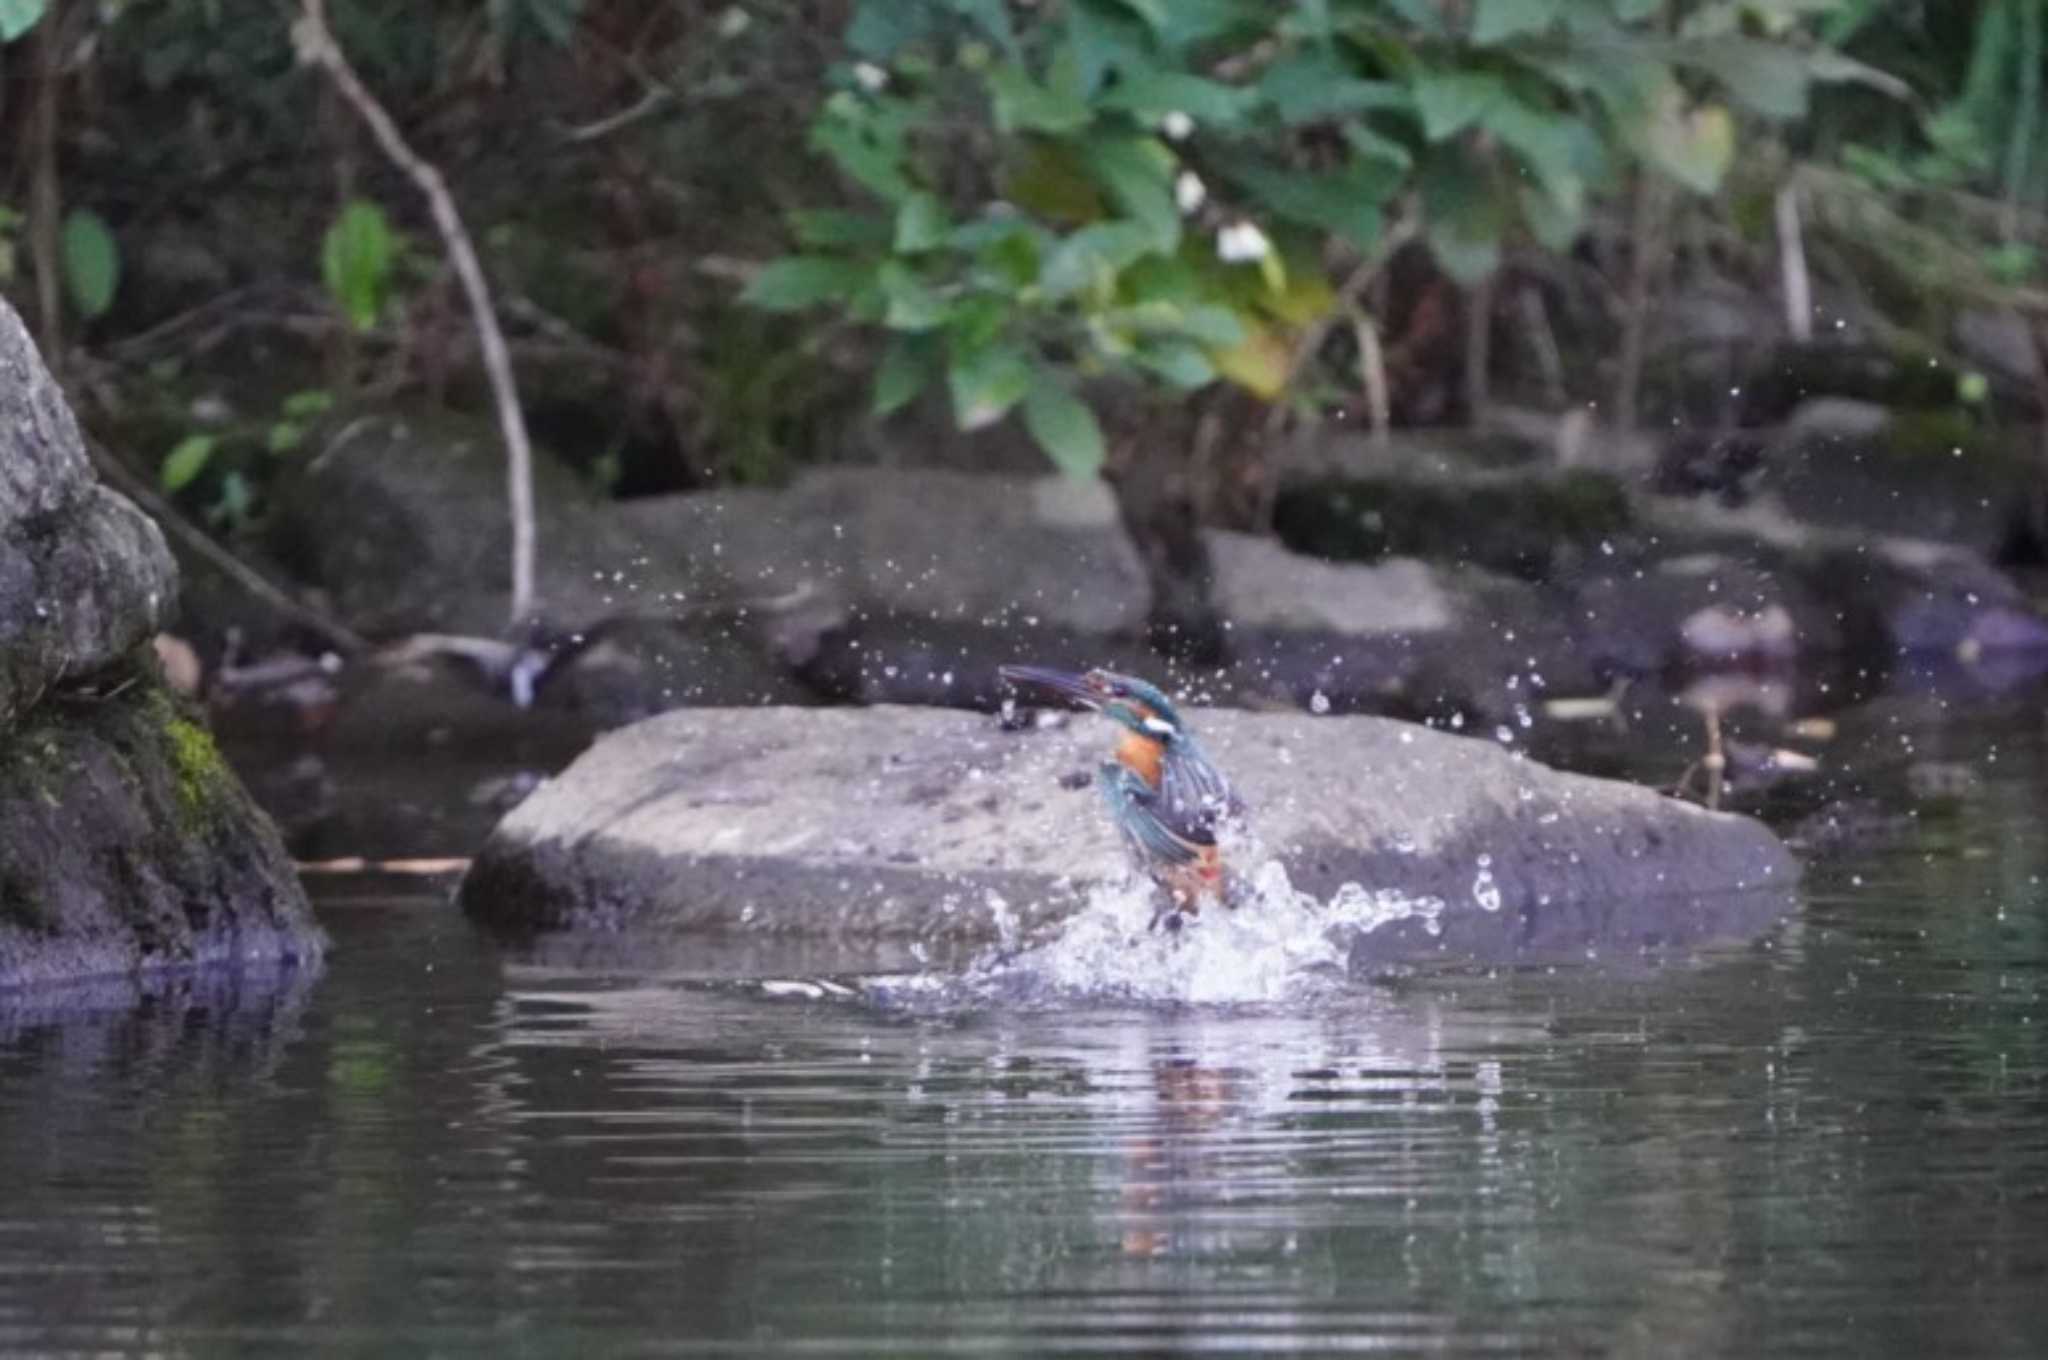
x,y
1189,192
870,77
1177,126
733,22
1242,243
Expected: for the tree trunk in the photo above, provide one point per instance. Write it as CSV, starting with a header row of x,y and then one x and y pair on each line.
x,y
1478,349
1646,244
1151,471
45,203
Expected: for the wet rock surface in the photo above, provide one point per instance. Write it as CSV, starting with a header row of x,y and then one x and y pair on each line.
x,y
126,845
84,576
911,584
944,827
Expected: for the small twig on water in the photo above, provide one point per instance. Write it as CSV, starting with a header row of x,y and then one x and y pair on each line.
x,y
316,46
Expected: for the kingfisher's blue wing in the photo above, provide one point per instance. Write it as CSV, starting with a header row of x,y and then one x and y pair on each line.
x,y
1193,794
1138,811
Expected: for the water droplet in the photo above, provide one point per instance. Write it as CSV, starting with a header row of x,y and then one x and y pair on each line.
x,y
1319,702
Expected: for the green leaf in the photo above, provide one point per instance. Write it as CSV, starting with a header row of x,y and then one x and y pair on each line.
x,y
1346,201
1093,256
1372,146
870,160
92,262
920,224
235,500
357,258
186,460
1105,38
19,16
1550,144
1312,85
1466,216
986,382
1154,12
1261,362
1693,146
1555,225
799,281
1023,105
1427,15
977,320
1007,254
1768,78
1151,95
1451,101
1495,21
830,227
881,28
1063,426
1212,325
993,16
908,365
1179,362
1138,174
1200,21
315,401
913,304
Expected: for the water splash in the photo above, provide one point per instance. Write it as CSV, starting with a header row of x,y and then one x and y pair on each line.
x,y
1280,946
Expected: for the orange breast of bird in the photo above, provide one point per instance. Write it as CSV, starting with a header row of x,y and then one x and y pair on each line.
x,y
1142,755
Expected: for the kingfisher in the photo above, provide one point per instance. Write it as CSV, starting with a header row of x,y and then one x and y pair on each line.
x,y
1163,794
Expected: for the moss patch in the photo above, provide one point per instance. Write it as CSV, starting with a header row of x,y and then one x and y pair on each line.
x,y
203,777
126,841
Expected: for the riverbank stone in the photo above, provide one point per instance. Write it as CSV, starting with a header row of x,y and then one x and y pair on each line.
x,y
126,846
943,826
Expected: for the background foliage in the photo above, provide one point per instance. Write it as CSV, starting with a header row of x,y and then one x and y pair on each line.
x,y
1029,206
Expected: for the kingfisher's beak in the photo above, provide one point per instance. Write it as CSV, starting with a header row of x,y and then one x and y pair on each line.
x,y
1063,683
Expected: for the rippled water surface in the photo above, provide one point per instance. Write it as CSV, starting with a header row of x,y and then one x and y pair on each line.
x,y
1834,1141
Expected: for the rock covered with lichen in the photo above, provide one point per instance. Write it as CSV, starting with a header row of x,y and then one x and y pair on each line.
x,y
126,845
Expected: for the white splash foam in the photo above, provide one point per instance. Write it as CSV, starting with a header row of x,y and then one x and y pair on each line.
x,y
1280,945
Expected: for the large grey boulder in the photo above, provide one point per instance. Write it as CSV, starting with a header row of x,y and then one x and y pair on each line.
x,y
126,845
942,826
1398,634
84,575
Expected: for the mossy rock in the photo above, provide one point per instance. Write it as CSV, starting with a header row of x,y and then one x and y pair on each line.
x,y
127,845
1517,525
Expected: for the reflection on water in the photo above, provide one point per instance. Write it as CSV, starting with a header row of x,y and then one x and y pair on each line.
x,y
1833,1142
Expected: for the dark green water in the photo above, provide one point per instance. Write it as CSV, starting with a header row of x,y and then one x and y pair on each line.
x,y
1832,1142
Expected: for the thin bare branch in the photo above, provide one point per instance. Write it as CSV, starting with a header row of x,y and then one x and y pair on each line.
x,y
1792,264
1372,375
196,540
316,46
